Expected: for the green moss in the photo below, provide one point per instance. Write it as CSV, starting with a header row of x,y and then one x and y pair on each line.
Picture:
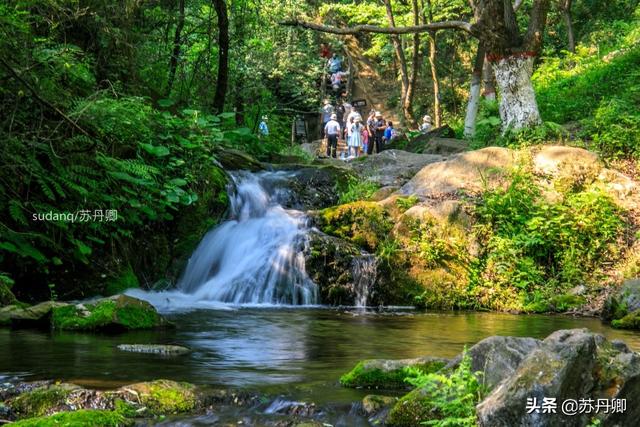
x,y
122,312
81,417
365,224
38,402
629,321
367,374
167,397
412,410
125,280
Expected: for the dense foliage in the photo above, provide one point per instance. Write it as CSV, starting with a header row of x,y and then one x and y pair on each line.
x,y
94,127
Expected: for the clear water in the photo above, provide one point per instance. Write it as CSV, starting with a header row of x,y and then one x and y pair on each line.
x,y
297,352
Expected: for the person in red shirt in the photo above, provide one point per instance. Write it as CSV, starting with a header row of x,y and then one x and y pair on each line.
x,y
325,52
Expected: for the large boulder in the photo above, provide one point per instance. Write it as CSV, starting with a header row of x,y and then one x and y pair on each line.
x,y
336,266
312,186
468,172
557,159
498,357
392,167
445,146
623,306
113,314
389,374
20,316
568,365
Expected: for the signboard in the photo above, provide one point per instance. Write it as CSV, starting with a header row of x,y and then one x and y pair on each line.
x,y
359,102
300,127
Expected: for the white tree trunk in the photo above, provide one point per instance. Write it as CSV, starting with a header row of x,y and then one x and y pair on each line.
x,y
472,107
518,106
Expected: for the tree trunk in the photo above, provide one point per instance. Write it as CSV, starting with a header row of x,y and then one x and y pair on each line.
x,y
407,106
565,9
434,77
223,55
488,81
402,61
173,62
518,106
474,94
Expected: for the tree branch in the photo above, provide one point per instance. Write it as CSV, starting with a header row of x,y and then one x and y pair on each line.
x,y
435,26
43,101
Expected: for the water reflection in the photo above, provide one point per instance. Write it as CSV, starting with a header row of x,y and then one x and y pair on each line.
x,y
279,349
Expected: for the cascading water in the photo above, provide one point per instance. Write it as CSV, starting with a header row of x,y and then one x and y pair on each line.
x,y
254,258
364,271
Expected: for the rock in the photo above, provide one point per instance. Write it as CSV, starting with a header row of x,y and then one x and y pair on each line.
x,y
374,403
163,396
445,146
498,357
291,408
421,142
449,211
81,417
624,190
35,316
237,160
388,374
569,364
384,193
329,263
113,314
556,160
463,173
392,167
313,148
313,186
41,401
623,306
162,349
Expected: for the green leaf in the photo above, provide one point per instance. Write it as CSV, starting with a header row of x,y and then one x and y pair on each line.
x,y
166,102
155,150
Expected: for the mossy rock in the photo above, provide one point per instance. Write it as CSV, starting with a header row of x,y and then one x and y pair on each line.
x,y
165,396
623,303
365,224
388,374
237,160
412,410
21,316
6,296
114,314
628,321
121,282
41,401
83,417
375,403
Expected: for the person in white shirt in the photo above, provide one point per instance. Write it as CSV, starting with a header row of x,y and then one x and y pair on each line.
x,y
332,131
425,127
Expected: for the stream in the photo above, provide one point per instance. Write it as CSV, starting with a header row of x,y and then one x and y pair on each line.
x,y
298,353
253,319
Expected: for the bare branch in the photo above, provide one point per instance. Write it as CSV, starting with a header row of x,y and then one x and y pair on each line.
x,y
435,26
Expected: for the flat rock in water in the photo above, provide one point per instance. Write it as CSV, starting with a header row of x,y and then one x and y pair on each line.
x,y
34,316
166,350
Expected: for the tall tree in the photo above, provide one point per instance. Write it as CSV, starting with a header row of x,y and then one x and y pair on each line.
x,y
402,61
407,105
433,53
474,94
510,52
565,10
177,42
223,55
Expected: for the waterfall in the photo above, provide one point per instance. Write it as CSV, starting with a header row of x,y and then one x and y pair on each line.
x,y
255,257
363,271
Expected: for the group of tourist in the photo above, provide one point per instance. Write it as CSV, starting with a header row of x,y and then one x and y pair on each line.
x,y
362,137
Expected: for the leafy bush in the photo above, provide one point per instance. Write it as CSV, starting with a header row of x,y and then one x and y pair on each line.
x,y
451,399
356,189
536,247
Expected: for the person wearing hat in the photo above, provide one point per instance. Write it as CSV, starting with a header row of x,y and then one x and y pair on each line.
x,y
332,131
425,127
378,126
327,111
263,129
